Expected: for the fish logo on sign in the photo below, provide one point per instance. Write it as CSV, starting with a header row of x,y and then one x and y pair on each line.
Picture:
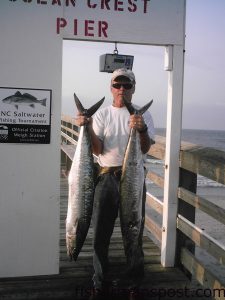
x,y
4,132
23,99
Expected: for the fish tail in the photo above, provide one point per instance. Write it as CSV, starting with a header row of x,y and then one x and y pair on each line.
x,y
87,112
133,111
79,105
43,102
145,107
95,107
129,107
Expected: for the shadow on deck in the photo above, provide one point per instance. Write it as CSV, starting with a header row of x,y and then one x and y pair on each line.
x,y
74,280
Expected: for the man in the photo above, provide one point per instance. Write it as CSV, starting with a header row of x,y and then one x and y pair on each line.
x,y
109,132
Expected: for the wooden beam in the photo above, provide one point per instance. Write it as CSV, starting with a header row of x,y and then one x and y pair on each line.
x,y
203,204
69,150
187,180
157,179
158,149
154,228
155,203
205,161
201,239
203,274
70,130
68,138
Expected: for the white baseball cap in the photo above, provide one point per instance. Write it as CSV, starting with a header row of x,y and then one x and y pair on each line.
x,y
124,72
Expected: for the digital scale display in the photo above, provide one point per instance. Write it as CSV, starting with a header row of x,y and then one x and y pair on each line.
x,y
110,62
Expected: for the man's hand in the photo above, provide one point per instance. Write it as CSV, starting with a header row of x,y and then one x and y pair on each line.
x,y
81,120
137,122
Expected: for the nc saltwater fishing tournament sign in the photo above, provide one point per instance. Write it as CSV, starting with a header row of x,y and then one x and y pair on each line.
x,y
25,115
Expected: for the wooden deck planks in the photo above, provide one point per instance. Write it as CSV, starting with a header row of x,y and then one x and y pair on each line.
x,y
74,280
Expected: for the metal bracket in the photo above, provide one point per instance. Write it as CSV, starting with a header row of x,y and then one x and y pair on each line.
x,y
168,62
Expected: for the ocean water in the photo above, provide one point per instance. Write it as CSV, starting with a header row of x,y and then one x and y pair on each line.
x,y
207,138
207,188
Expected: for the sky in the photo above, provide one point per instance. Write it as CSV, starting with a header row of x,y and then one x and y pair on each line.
x,y
204,80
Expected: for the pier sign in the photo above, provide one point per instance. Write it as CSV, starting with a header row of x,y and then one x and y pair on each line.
x,y
25,115
156,22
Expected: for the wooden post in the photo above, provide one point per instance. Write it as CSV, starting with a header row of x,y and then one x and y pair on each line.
x,y
173,137
188,180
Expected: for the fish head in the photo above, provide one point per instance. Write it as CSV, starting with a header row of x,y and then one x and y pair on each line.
x,y
7,100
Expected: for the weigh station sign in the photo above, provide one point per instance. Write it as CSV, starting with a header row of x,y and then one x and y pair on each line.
x,y
25,115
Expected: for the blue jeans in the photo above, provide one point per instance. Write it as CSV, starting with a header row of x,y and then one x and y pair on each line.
x,y
105,212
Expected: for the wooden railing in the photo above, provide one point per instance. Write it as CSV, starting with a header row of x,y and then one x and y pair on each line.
x,y
194,160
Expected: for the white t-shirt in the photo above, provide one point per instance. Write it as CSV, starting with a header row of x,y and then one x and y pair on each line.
x,y
111,125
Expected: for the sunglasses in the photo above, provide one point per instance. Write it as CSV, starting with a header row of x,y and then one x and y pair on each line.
x,y
126,86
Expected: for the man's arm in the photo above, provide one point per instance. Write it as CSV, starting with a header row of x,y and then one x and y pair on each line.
x,y
137,122
145,141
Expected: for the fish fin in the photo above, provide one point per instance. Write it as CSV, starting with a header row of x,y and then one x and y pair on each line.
x,y
129,107
94,108
145,107
29,96
18,93
32,105
87,112
43,102
79,105
16,106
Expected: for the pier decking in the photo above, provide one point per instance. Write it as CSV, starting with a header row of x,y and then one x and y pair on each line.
x,y
74,280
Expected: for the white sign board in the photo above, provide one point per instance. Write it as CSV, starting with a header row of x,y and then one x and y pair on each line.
x,y
156,22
